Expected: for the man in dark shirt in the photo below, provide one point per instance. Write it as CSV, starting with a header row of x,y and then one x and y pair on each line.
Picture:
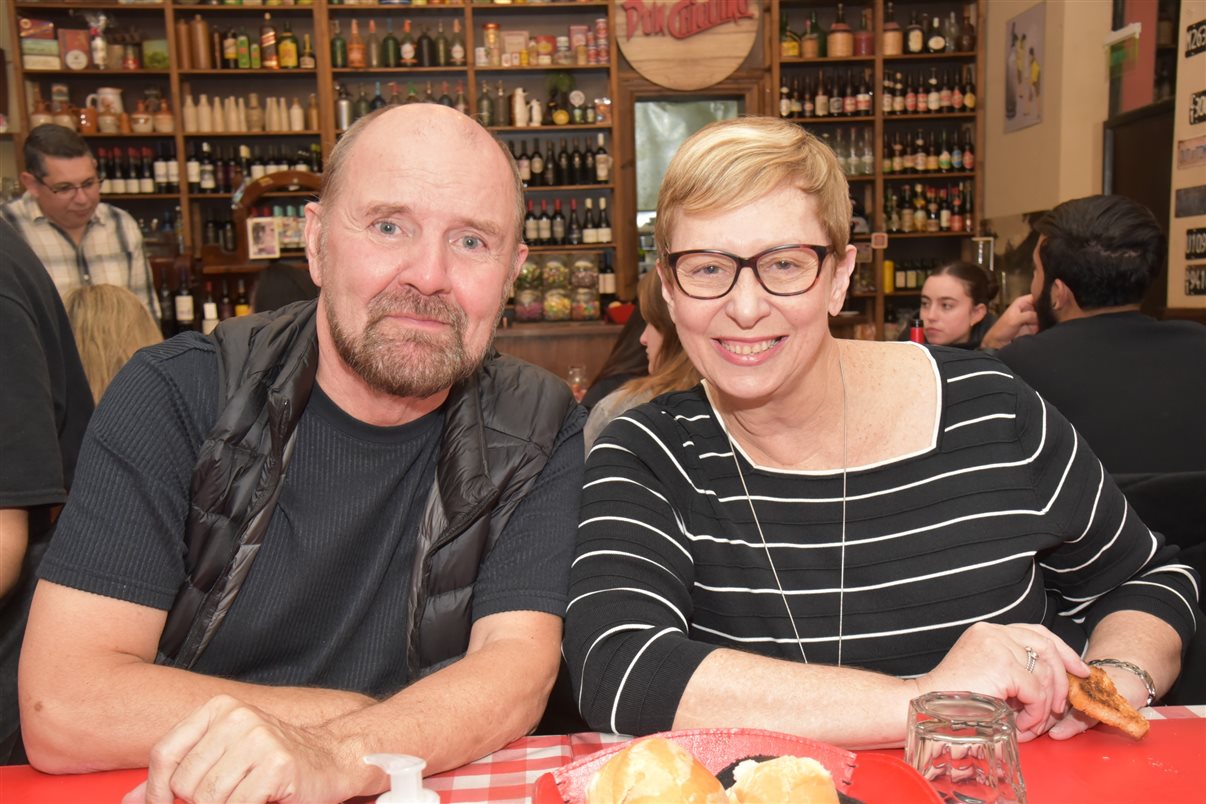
x,y
1134,387
44,408
407,592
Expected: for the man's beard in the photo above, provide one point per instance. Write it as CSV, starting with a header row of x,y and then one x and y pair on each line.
x,y
406,363
1043,308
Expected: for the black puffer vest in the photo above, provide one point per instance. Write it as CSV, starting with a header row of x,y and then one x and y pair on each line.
x,y
499,430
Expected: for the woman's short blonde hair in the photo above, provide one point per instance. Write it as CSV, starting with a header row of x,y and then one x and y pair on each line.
x,y
733,162
110,324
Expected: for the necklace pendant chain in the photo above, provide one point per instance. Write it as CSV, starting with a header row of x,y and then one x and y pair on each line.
x,y
766,547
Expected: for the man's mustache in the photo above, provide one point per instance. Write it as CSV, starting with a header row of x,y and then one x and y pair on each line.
x,y
410,302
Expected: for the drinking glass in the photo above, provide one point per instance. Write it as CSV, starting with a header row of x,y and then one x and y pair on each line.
x,y
576,377
965,745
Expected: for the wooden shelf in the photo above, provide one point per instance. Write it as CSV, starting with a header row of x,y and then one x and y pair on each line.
x,y
906,117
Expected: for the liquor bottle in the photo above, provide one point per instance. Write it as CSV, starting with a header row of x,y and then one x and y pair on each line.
x,y
944,155
797,105
552,173
227,236
951,32
531,227
956,155
545,224
898,160
460,102
391,53
822,96
362,105
944,212
406,45
603,226
445,99
558,224
839,43
862,99
536,166
242,305
306,60
146,174
957,222
500,105
910,97
607,283
887,94
523,162
441,46
183,303
914,39
784,101
242,49
945,100
339,47
268,51
893,37
821,37
590,227
789,43
967,35
837,100
808,103
378,99
577,167
602,162
563,164
209,182
917,331
485,107
969,158
969,91
573,227
864,40
931,155
898,96
209,309
425,49
287,50
230,50
167,308
428,95
934,95
957,96
372,46
935,42
225,304
356,54
117,171
456,46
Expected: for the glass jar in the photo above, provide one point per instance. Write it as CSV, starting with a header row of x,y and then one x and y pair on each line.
x,y
529,277
584,304
557,304
556,273
584,273
528,305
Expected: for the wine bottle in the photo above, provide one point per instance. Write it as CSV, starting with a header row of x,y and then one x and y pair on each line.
x,y
183,302
209,309
242,305
425,49
391,54
440,43
167,308
602,162
225,304
531,227
406,45
524,162
339,47
603,228
590,228
573,226
545,224
372,46
558,224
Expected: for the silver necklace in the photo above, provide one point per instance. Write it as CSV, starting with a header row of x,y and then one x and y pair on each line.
x,y
766,547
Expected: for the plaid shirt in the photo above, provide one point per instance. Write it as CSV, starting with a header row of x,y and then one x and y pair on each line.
x,y
110,251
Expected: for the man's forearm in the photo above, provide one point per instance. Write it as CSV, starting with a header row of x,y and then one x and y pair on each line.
x,y
111,717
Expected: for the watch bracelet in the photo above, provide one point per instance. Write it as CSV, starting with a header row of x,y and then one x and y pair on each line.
x,y
1130,667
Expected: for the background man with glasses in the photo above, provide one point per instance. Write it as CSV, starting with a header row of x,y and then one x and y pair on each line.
x,y
80,240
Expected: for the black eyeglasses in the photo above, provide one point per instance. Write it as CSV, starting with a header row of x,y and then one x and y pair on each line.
x,y
67,188
782,271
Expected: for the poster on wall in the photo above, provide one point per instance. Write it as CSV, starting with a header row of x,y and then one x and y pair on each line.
x,y
1187,225
1024,64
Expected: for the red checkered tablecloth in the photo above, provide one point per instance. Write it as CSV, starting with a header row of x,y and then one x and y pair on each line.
x,y
508,775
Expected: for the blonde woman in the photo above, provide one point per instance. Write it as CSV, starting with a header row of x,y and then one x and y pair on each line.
x,y
110,324
669,367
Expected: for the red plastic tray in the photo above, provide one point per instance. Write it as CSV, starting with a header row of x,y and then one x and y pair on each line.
x,y
870,777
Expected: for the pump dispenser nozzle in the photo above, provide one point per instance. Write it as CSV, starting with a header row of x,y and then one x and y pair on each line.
x,y
405,779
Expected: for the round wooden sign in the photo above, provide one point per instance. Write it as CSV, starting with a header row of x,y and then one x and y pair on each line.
x,y
686,44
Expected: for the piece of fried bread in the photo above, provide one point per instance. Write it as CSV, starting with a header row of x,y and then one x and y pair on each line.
x,y
1098,698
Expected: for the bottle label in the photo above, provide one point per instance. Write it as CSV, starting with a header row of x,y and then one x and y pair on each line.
x,y
936,44
603,234
607,283
458,53
602,168
161,172
915,41
194,172
184,308
146,184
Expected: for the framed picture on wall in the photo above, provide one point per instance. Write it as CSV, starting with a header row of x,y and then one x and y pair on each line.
x,y
263,240
1024,63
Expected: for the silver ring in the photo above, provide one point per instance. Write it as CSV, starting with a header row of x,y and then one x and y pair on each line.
x,y
1031,659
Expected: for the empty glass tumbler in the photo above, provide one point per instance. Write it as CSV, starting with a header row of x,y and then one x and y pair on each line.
x,y
965,745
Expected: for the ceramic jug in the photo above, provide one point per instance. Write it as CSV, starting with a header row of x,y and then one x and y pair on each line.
x,y
109,95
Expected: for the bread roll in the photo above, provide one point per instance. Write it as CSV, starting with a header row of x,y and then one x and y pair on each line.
x,y
801,780
654,770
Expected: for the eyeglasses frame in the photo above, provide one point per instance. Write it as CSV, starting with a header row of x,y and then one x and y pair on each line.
x,y
672,258
70,189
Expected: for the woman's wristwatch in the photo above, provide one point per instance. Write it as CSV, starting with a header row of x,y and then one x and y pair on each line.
x,y
1144,676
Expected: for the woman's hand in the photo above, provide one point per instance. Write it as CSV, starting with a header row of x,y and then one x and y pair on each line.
x,y
994,660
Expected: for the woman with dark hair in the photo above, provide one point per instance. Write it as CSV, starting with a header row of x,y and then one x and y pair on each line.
x,y
627,361
668,365
954,304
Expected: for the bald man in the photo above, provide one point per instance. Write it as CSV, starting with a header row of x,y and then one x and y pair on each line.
x,y
339,528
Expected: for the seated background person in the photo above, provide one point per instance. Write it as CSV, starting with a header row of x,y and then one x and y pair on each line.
x,y
823,529
110,324
626,361
408,570
669,367
1131,385
954,305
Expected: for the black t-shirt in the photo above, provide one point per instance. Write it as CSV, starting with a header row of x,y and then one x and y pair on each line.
x,y
45,403
325,601
1134,387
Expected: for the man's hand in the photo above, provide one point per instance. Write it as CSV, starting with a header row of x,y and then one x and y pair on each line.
x,y
231,751
1018,320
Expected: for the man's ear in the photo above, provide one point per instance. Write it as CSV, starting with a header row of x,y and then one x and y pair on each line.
x,y
28,181
1062,298
313,234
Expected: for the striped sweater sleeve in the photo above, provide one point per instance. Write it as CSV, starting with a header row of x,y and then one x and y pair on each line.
x,y
630,604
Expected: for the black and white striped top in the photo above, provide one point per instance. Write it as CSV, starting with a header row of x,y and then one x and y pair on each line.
x,y
1008,517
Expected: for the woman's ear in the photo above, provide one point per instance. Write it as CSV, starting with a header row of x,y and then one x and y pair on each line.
x,y
668,287
978,312
842,269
